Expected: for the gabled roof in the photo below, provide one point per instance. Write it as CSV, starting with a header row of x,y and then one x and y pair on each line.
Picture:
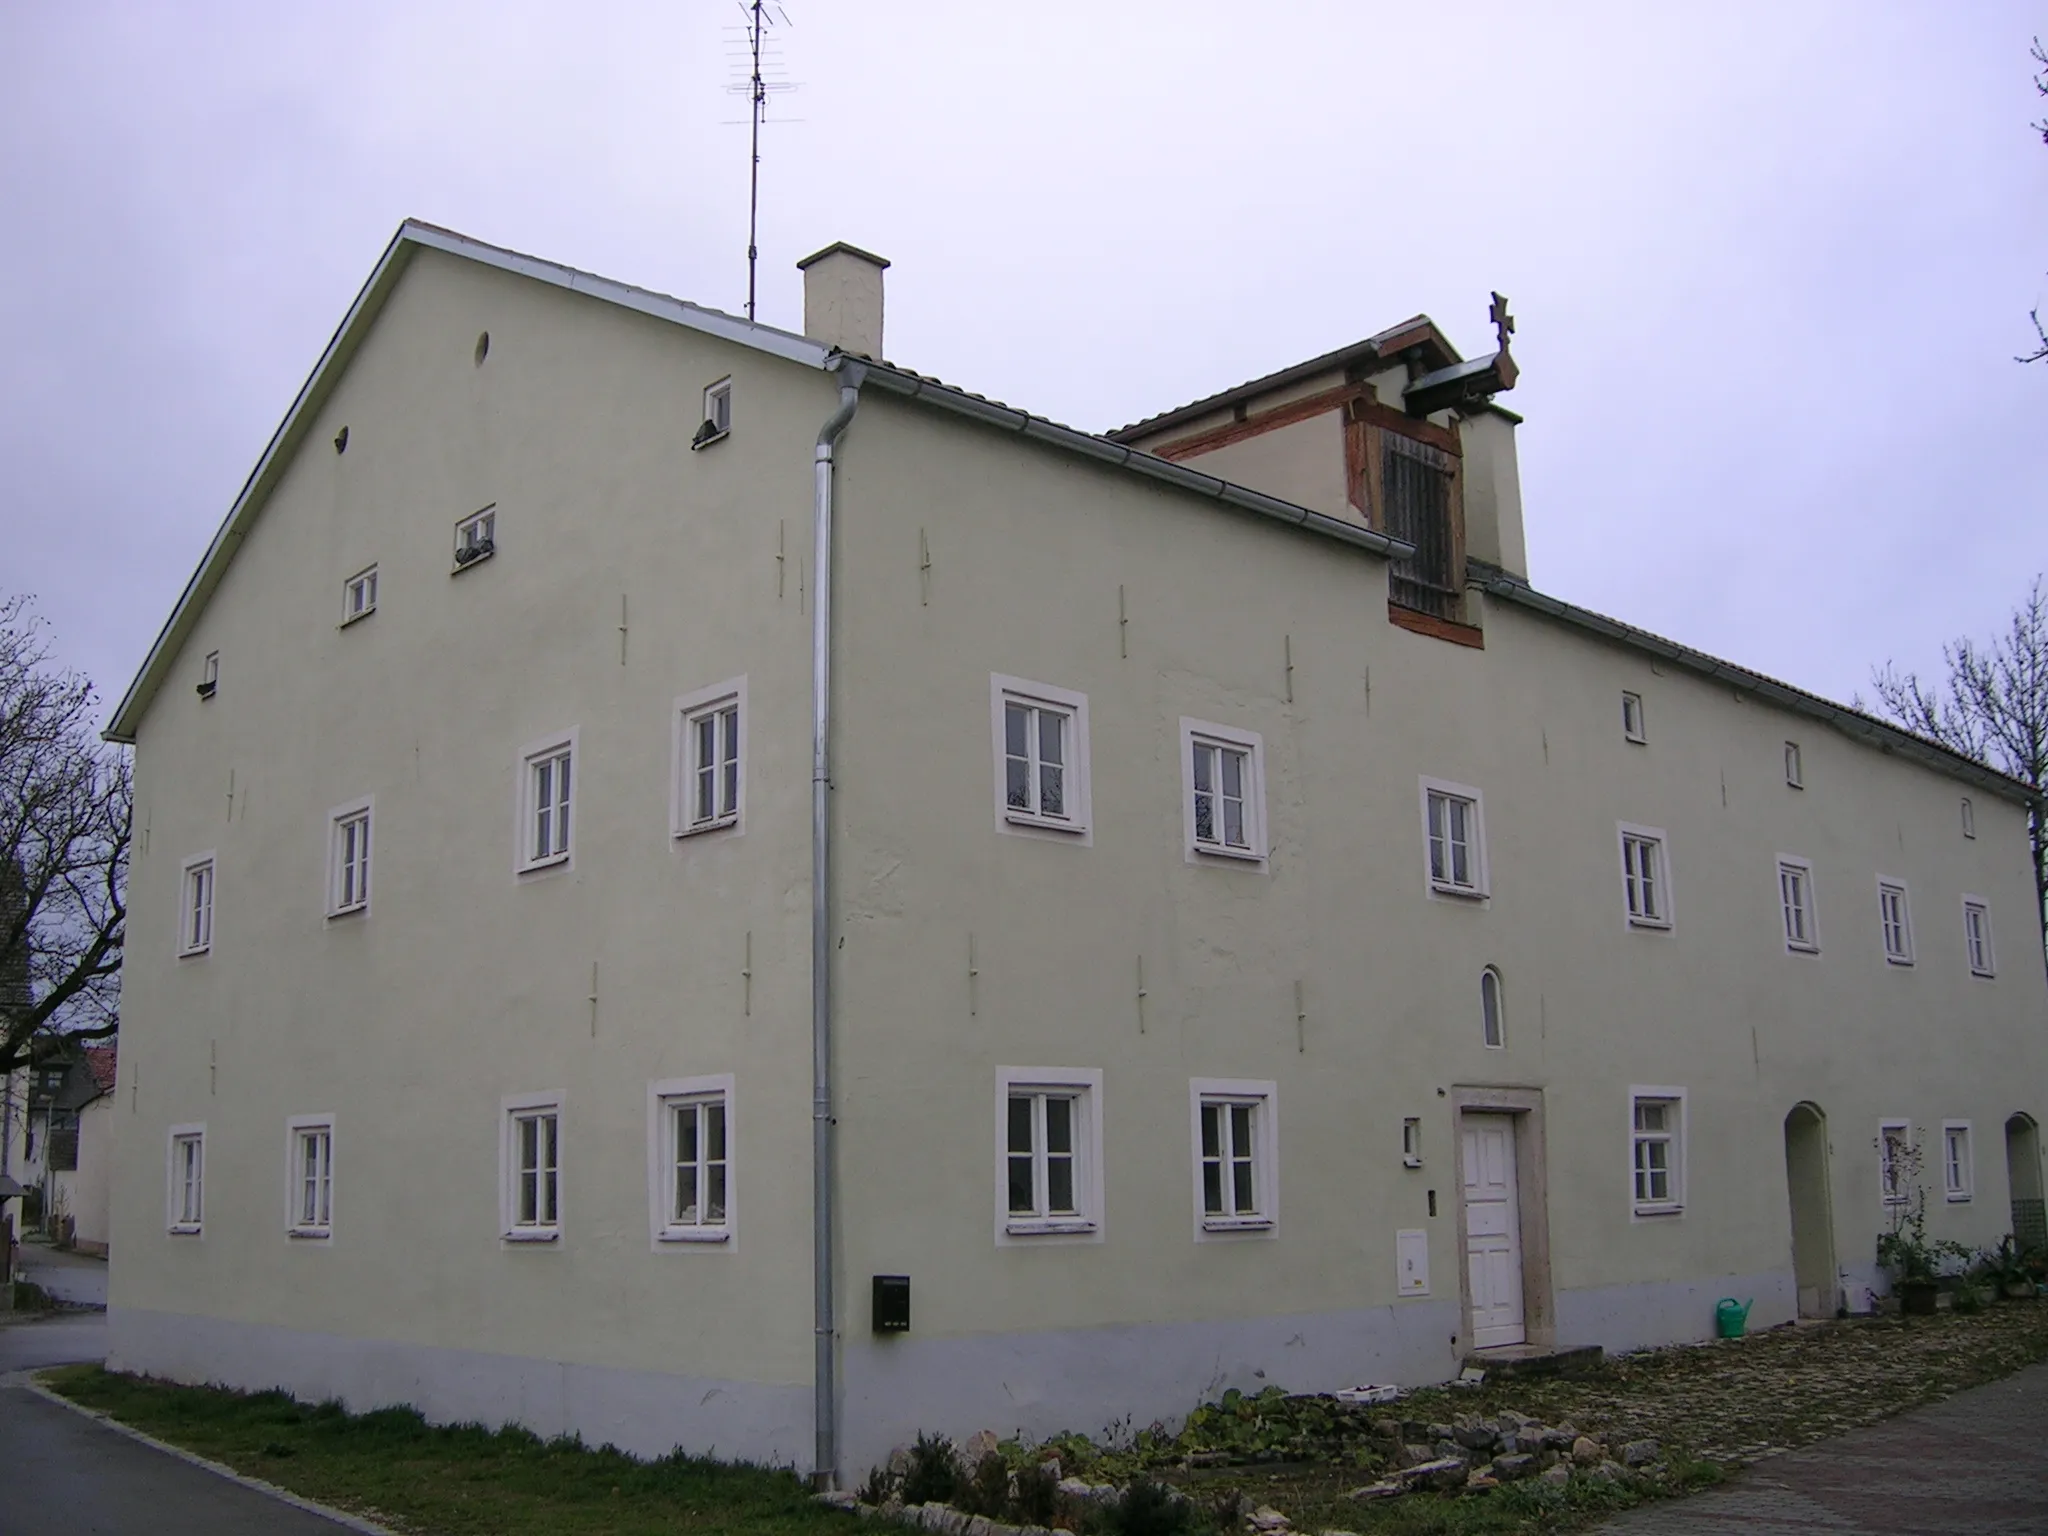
x,y
414,236
1383,350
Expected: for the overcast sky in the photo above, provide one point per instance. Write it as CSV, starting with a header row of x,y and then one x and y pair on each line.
x,y
1771,262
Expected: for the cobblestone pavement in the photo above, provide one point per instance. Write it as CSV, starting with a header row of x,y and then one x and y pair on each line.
x,y
1976,1463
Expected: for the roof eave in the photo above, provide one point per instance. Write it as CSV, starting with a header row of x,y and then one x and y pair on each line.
x,y
1868,729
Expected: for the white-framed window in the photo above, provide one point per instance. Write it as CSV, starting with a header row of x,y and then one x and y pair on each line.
x,y
1895,920
359,596
1977,936
1223,791
1969,818
1411,1141
1958,1171
1632,718
1795,775
185,1205
1493,1017
1657,1150
476,537
1645,876
1454,838
1795,905
1041,757
547,802
209,675
1894,1157
195,911
710,759
348,858
1048,1153
530,1161
309,1184
717,414
690,1159
1236,1155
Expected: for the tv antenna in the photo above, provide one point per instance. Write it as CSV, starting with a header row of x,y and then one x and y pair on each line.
x,y
753,45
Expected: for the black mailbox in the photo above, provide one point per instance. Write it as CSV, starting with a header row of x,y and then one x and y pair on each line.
x,y
892,1303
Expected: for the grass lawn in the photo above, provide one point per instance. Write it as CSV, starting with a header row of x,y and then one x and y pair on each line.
x,y
1712,1407
391,1466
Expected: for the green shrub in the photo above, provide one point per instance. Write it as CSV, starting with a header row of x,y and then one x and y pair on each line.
x,y
1149,1508
1037,1494
934,1474
985,1490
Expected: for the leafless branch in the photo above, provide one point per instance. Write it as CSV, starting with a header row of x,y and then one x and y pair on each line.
x,y
1993,707
66,818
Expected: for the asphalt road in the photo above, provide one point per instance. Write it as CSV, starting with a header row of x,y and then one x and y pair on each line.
x,y
1976,1465
61,1474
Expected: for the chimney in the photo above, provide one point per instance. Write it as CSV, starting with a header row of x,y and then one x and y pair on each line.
x,y
843,298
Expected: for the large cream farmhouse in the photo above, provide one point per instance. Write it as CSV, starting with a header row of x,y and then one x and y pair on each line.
x,y
700,887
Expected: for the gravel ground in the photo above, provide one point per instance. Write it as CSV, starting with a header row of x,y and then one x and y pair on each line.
x,y
1725,1403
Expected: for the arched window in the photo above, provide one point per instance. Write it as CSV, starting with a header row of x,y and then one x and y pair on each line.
x,y
1492,1015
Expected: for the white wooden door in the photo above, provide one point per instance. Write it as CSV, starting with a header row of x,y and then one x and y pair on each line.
x,y
1493,1231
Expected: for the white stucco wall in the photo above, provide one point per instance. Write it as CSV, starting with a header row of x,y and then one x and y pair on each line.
x,y
466,983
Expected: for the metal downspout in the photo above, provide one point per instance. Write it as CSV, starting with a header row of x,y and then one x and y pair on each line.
x,y
825,1407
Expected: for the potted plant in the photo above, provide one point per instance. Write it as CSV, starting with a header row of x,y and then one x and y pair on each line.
x,y
1905,1252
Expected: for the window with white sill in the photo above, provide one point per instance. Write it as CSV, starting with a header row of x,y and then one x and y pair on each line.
x,y
311,1179
1492,1010
531,1157
1795,772
186,1203
1897,1159
359,596
1223,791
476,538
1657,1148
1041,758
1048,1153
1454,838
195,920
348,858
1645,876
1977,936
1632,718
1795,905
710,751
1958,1175
1235,1152
1895,921
691,1131
547,803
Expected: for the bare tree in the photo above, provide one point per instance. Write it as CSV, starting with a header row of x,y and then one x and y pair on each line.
x,y
2041,85
66,814
1992,707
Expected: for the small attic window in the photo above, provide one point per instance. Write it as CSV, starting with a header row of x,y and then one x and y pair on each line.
x,y
209,675
1969,818
1795,775
483,347
476,538
1632,718
717,415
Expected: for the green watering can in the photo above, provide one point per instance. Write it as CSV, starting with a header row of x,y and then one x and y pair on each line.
x,y
1731,1317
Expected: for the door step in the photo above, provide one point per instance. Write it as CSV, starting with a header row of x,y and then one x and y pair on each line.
x,y
1530,1360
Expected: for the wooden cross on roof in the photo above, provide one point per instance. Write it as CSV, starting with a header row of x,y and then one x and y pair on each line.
x,y
1503,322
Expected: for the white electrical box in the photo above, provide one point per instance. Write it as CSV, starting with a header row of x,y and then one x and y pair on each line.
x,y
1411,1257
